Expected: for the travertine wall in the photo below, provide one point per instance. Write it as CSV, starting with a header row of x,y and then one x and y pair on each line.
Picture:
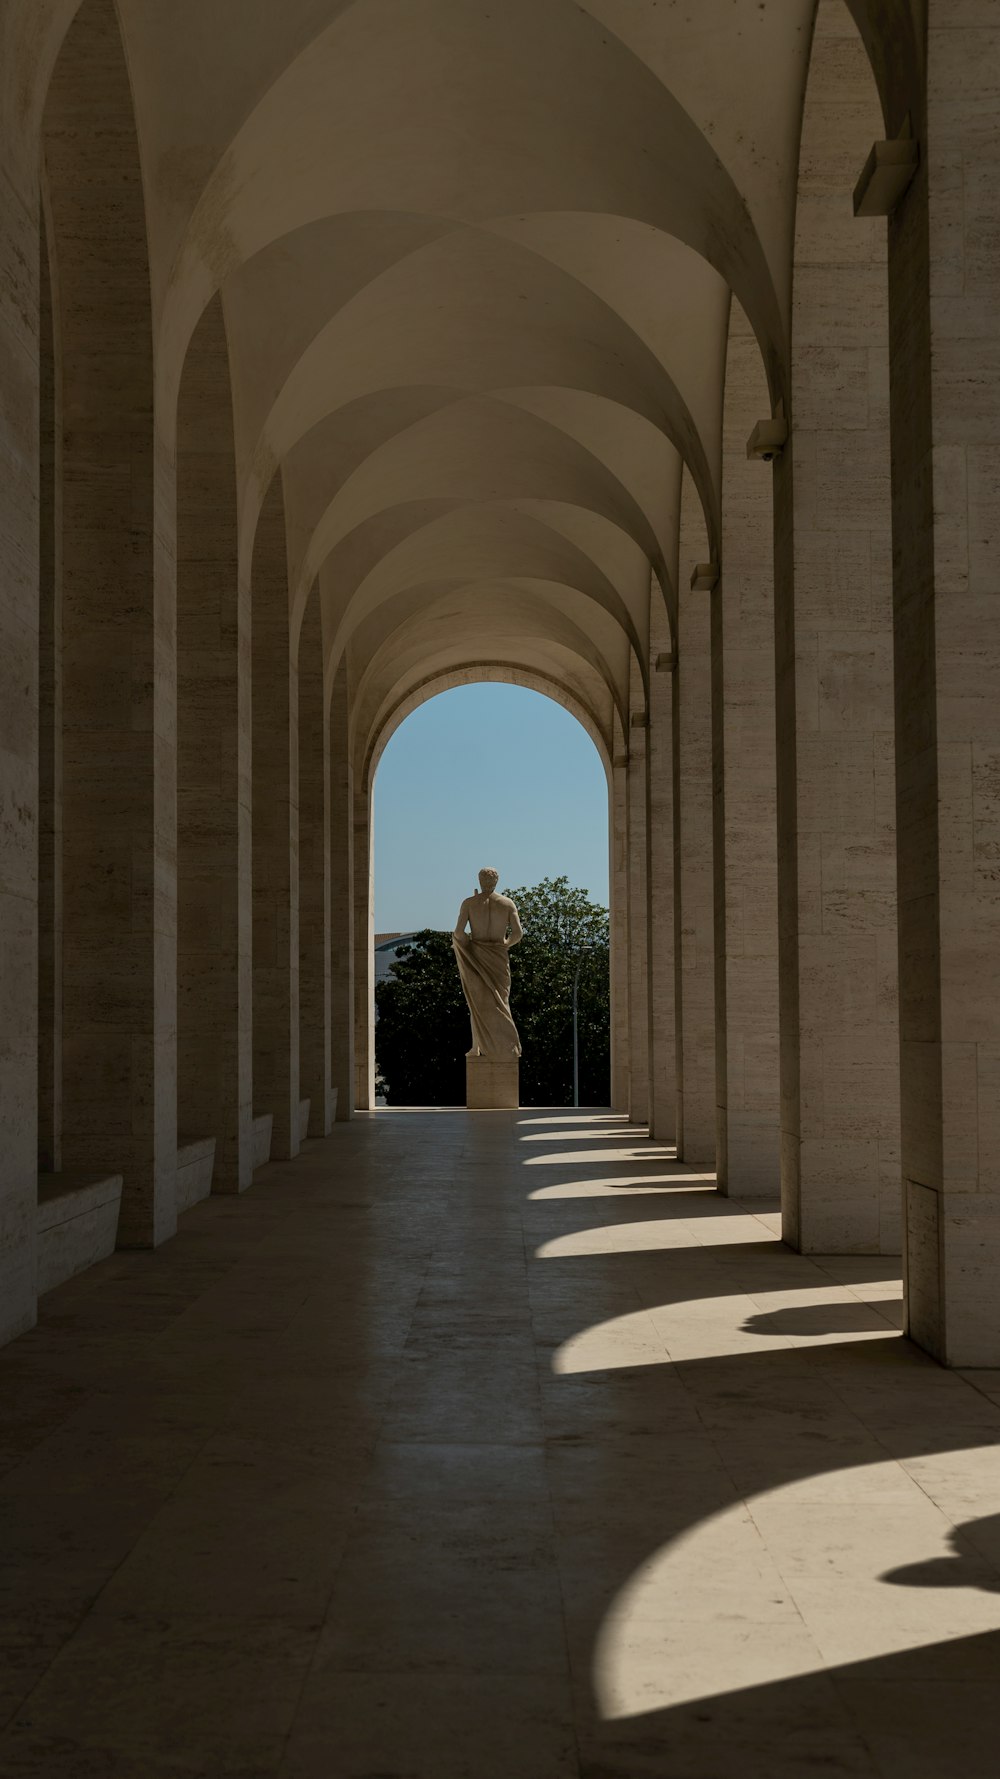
x,y
944,318
118,657
50,744
341,896
275,836
214,879
637,794
364,949
90,649
745,815
621,1025
841,1149
19,231
314,874
696,1122
662,1010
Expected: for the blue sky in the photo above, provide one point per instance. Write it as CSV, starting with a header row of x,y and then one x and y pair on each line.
x,y
485,775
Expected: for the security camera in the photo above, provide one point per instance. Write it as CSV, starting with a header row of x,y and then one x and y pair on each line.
x,y
767,440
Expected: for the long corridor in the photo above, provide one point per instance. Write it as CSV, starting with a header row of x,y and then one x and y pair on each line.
x,y
498,1446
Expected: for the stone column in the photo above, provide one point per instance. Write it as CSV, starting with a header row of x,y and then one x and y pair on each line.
x,y
275,837
19,230
945,414
314,875
50,742
341,897
840,1058
638,892
619,891
746,860
364,952
214,874
662,1011
696,1128
119,649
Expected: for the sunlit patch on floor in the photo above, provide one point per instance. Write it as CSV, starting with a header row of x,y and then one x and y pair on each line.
x,y
849,1566
573,1157
625,1183
616,1120
695,1327
619,1238
585,1136
631,1339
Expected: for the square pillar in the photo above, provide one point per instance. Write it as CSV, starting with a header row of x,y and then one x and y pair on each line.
x,y
944,335
696,1094
341,898
275,837
662,1011
314,876
745,814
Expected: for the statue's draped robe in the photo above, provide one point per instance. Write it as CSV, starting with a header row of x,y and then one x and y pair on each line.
x,y
484,966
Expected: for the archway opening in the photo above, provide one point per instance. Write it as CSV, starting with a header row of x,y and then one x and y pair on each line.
x,y
491,774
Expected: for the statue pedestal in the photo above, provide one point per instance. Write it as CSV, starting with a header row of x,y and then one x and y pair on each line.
x,y
491,1085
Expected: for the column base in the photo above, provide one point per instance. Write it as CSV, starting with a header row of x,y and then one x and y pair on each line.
x,y
491,1085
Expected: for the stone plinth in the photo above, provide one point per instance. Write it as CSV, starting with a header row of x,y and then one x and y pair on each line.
x,y
195,1167
77,1221
262,1128
491,1086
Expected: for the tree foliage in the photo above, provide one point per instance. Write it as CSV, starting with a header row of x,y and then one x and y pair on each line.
x,y
422,1032
422,1025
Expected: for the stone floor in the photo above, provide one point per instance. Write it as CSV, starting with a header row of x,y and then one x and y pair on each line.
x,y
494,1445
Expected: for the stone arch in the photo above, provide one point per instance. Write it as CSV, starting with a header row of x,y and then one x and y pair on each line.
x,y
214,1087
117,614
315,866
483,673
249,197
834,679
368,754
275,829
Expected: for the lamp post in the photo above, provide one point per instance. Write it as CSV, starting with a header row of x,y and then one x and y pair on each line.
x,y
576,1026
576,1036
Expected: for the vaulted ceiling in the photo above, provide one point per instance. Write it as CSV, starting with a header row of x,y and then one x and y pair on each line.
x,y
475,259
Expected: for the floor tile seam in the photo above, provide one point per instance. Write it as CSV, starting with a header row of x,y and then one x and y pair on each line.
x,y
26,1698
27,1457
891,1456
717,1440
310,1666
92,1606
956,1525
826,1668
968,1377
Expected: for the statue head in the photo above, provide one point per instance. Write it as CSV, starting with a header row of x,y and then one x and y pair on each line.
x,y
488,880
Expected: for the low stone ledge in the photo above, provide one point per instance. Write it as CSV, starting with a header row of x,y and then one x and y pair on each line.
x,y
195,1167
77,1224
262,1127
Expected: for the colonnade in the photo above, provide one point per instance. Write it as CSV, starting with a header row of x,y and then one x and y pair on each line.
x,y
789,661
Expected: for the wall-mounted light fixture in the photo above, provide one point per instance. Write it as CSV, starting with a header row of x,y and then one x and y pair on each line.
x,y
886,174
768,439
704,577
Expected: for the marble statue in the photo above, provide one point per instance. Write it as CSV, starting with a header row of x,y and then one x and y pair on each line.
x,y
484,967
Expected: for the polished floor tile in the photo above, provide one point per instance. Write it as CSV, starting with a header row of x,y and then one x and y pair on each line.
x,y
492,1446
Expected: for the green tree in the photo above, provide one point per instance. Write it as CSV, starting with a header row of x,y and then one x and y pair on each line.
x,y
422,1031
422,1025
563,931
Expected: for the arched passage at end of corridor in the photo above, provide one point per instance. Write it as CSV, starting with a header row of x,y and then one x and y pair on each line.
x,y
494,773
